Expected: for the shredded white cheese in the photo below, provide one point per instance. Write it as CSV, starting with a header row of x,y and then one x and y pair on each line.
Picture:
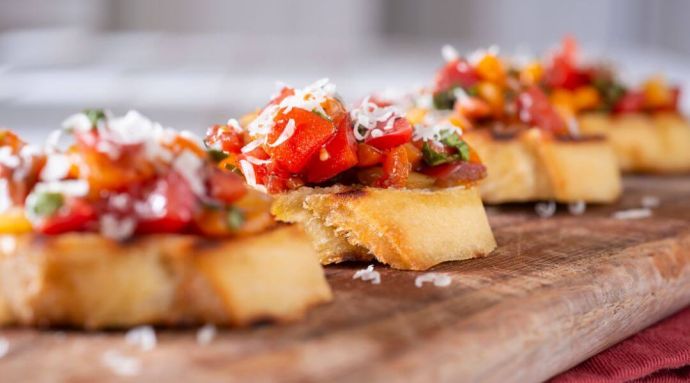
x,y
545,209
251,146
56,168
7,158
449,53
650,201
206,334
285,135
368,274
73,188
235,125
142,337
367,118
78,122
577,208
189,166
5,197
632,214
115,228
121,364
4,347
439,280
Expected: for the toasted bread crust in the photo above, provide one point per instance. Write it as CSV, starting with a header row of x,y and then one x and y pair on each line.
x,y
85,280
532,167
658,143
407,229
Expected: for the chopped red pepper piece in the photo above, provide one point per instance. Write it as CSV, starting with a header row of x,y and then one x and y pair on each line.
x,y
311,132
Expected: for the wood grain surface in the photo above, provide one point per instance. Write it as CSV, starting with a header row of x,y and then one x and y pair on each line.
x,y
555,292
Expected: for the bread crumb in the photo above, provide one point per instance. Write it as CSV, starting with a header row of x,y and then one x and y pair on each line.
x,y
439,280
206,334
368,274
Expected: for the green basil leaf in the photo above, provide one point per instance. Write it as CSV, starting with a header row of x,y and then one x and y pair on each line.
x,y
453,140
444,100
216,155
235,218
47,204
432,157
95,115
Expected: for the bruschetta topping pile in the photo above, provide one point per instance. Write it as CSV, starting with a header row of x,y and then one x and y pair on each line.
x,y
577,87
122,176
308,137
481,91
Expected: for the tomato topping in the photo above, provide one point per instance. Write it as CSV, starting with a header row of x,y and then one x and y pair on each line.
x,y
311,132
75,215
399,133
226,187
455,73
631,102
534,109
456,173
225,137
473,107
368,155
338,155
170,203
396,168
563,71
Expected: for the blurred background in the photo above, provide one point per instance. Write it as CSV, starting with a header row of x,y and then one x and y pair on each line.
x,y
192,63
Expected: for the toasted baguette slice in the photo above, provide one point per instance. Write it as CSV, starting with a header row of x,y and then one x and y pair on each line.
x,y
532,167
85,280
658,143
407,229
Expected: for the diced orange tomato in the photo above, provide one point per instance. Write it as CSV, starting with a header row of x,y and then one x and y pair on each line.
x,y
473,108
9,138
14,221
493,95
311,133
179,144
368,155
657,93
396,168
586,98
104,173
416,115
532,73
414,155
490,68
212,222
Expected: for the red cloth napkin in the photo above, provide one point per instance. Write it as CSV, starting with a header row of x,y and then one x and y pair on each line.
x,y
660,353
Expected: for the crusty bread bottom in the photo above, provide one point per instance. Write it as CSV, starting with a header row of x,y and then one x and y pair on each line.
x,y
533,167
657,143
407,229
85,280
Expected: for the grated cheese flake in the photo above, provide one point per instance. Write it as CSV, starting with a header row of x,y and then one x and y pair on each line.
x,y
189,166
121,364
368,274
56,168
7,158
577,208
449,53
439,280
115,228
632,214
650,201
5,197
79,122
73,188
285,135
545,209
4,347
235,125
142,337
206,334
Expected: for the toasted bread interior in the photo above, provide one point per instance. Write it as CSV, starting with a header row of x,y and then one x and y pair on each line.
x,y
658,143
85,280
532,167
407,229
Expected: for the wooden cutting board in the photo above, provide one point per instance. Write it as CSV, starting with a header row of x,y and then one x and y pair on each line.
x,y
555,292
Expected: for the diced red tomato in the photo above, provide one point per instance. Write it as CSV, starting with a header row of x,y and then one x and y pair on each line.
x,y
227,138
76,215
396,168
338,155
399,134
311,133
534,109
456,173
178,210
226,186
631,102
563,71
368,155
457,72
